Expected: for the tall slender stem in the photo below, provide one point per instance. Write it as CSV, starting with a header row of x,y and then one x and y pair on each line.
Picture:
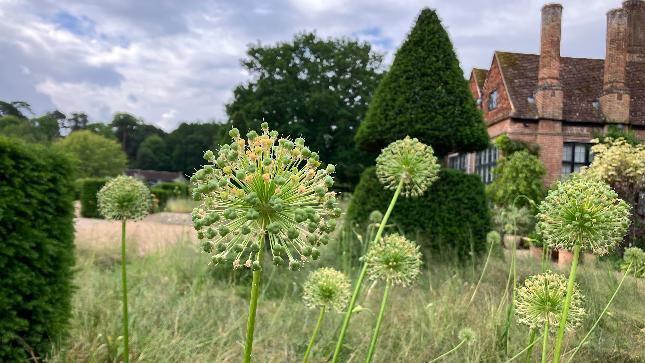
x,y
545,341
531,343
509,311
314,335
481,277
567,302
124,284
601,315
449,352
377,328
361,277
530,346
253,306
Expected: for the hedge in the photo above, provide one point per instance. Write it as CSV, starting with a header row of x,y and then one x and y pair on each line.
x,y
166,190
89,187
452,216
36,249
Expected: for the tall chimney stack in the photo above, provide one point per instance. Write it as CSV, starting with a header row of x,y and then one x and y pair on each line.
x,y
635,10
614,102
549,96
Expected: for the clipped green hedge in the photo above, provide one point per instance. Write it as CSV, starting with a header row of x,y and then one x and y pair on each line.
x,y
89,187
452,216
166,190
36,249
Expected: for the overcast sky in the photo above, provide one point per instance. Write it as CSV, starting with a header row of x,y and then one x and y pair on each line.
x,y
170,61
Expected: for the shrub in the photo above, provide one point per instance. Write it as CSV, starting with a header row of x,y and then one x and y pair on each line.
x,y
95,155
424,95
513,220
508,147
518,176
636,257
166,190
452,214
89,187
36,249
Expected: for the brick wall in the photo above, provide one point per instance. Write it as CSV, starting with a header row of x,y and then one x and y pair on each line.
x,y
494,81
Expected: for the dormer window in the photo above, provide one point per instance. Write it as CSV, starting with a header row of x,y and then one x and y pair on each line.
x,y
492,100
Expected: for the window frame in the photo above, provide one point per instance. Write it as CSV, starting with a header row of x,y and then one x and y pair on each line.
x,y
485,162
494,101
458,162
568,166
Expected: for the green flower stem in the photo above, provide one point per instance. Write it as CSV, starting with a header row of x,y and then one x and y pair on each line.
x,y
124,282
567,301
379,320
255,292
361,277
449,352
529,351
545,341
481,277
313,336
530,346
512,275
601,315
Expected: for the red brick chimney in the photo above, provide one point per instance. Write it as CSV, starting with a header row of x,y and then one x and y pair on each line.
x,y
635,10
548,96
614,102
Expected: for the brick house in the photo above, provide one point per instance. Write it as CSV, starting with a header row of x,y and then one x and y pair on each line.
x,y
560,103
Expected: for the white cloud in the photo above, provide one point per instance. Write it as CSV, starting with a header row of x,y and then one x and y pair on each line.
x,y
170,62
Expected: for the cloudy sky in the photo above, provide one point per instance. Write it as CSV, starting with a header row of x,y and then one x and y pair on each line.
x,y
170,61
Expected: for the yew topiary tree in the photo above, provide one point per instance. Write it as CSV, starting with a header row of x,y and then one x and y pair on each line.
x,y
424,95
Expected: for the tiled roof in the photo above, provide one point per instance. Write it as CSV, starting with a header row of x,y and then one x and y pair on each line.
x,y
582,83
480,76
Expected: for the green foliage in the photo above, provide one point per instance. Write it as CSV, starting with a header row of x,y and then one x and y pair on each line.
x,y
131,132
186,144
614,132
451,215
164,191
424,95
513,220
89,188
36,249
517,178
508,147
95,155
15,109
635,257
314,88
153,154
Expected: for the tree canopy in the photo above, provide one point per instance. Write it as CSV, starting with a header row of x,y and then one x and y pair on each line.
x,y
424,95
95,155
314,88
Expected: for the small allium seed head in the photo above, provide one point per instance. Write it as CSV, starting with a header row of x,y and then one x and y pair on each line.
x,y
542,297
411,161
327,287
264,187
493,238
394,258
124,197
376,216
468,335
583,211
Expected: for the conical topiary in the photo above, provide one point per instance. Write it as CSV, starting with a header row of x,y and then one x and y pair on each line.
x,y
424,95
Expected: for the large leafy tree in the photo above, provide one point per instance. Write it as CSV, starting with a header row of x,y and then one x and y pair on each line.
x,y
187,144
153,154
131,131
94,155
311,87
424,95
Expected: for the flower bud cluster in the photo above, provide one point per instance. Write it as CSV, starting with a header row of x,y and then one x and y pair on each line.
x,y
264,190
410,161
124,197
394,258
327,287
583,211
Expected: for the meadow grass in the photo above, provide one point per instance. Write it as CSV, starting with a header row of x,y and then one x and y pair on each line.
x,y
182,310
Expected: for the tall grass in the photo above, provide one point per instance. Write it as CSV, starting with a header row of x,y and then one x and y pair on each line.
x,y
184,311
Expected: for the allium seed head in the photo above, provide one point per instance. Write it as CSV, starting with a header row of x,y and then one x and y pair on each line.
x,y
493,238
376,217
542,297
124,197
468,335
583,211
394,258
327,287
265,185
411,161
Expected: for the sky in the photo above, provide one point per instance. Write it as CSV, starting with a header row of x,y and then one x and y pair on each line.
x,y
171,61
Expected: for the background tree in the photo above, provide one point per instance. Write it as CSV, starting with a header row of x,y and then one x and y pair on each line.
x,y
314,88
153,154
424,95
187,144
131,131
77,121
95,155
50,124
15,108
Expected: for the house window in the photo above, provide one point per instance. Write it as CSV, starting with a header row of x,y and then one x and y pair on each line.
x,y
493,97
485,162
575,156
457,162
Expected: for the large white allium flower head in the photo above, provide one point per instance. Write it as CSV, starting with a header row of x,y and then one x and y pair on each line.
x,y
124,197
